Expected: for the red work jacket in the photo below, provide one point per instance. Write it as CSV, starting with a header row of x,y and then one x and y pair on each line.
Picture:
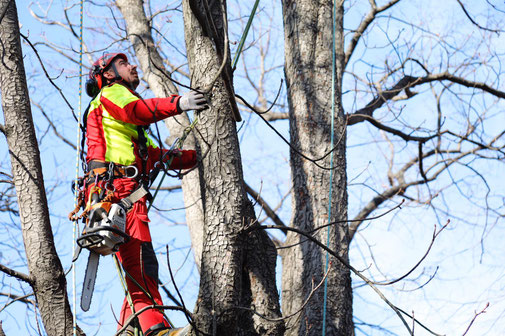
x,y
112,121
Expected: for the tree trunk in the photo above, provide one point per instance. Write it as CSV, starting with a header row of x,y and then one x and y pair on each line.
x,y
151,63
308,70
237,271
49,283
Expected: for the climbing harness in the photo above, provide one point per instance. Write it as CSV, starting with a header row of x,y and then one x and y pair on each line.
x,y
104,217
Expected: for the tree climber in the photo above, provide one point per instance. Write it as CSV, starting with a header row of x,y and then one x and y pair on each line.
x,y
117,140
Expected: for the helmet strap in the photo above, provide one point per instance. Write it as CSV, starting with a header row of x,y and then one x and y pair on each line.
x,y
116,74
117,77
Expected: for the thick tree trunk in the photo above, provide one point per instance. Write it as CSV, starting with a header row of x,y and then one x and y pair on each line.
x,y
49,283
140,35
308,69
237,271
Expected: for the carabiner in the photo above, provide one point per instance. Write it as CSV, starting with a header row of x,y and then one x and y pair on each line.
x,y
131,171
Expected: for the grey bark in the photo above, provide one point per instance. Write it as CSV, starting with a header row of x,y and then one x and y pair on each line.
x,y
237,271
308,70
156,75
49,283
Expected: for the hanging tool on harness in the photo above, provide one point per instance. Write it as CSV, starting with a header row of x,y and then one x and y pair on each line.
x,y
105,222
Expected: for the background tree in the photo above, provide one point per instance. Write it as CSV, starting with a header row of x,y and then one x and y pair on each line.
x,y
46,275
319,188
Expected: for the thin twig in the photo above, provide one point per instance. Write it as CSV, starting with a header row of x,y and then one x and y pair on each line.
x,y
339,258
51,124
475,317
16,298
352,221
419,323
435,234
475,23
268,210
188,317
49,77
293,148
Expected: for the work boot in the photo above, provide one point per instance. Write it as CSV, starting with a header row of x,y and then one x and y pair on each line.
x,y
173,332
128,332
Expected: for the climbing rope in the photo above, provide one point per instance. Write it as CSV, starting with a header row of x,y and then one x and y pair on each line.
x,y
76,181
332,135
244,35
122,279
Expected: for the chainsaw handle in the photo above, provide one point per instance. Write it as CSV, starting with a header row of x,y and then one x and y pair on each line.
x,y
94,233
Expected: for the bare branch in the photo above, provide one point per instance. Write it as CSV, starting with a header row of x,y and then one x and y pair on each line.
x,y
51,124
410,81
435,234
49,22
339,258
391,130
363,26
16,274
475,23
48,77
188,316
475,317
268,210
402,186
17,298
372,206
302,307
267,114
419,323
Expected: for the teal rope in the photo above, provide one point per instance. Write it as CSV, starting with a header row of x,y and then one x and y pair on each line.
x,y
76,191
244,35
325,301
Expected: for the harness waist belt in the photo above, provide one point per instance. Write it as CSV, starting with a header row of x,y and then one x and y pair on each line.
x,y
96,167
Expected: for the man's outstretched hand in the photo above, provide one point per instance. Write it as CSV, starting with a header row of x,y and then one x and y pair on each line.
x,y
193,100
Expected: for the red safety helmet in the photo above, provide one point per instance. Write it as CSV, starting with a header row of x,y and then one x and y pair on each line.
x,y
96,80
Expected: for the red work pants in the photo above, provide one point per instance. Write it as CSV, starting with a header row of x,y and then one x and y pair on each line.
x,y
139,262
